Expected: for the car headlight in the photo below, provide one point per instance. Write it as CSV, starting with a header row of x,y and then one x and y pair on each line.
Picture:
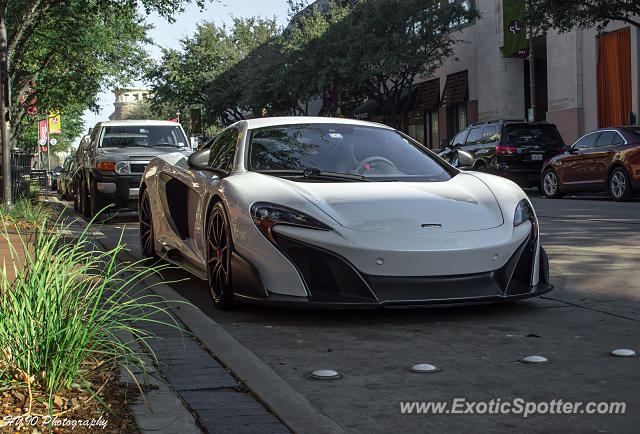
x,y
524,212
122,167
266,215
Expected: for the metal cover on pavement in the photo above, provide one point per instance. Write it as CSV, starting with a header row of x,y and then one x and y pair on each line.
x,y
534,359
325,374
422,368
623,352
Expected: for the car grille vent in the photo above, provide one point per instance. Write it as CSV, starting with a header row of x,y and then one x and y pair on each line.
x,y
138,168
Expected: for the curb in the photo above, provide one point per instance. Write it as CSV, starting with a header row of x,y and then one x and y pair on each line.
x,y
295,411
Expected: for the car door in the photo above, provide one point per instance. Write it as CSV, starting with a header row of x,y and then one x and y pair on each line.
x,y
450,153
184,193
573,169
598,158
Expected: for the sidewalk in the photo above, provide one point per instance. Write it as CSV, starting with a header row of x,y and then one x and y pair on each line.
x,y
197,393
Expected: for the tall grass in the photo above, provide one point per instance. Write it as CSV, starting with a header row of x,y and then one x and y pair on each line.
x,y
30,212
66,309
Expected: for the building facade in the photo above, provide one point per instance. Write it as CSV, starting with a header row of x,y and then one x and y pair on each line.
x,y
584,80
125,100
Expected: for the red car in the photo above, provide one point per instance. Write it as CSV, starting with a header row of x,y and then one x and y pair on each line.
x,y
607,159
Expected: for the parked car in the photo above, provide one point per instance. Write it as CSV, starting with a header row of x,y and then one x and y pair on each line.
x,y
512,149
111,162
65,178
338,212
607,159
53,177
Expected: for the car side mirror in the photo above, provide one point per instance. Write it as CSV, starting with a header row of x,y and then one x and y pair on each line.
x,y
199,160
465,160
570,149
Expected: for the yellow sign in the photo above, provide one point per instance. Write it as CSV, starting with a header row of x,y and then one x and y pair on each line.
x,y
54,122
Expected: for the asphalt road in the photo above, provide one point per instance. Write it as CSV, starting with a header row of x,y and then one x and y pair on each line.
x,y
594,249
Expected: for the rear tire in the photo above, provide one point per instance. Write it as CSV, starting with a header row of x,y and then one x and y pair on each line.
x,y
85,206
76,200
219,248
550,184
147,235
620,185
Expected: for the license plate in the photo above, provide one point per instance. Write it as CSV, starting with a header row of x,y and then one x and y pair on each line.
x,y
536,156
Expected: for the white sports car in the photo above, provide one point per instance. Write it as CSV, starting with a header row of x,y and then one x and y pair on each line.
x,y
338,212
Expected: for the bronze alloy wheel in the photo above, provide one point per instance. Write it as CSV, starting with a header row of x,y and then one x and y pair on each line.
x,y
146,230
219,247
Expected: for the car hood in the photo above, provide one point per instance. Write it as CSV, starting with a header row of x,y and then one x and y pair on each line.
x,y
142,153
463,203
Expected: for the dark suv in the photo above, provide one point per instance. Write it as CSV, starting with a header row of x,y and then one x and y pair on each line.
x,y
112,160
513,149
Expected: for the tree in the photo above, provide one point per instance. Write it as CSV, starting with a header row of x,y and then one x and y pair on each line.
x,y
62,53
376,48
565,15
184,78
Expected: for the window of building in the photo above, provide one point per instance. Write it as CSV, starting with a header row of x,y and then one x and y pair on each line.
x,y
454,98
614,78
416,126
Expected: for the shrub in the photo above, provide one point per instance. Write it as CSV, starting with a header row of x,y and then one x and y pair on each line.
x,y
63,315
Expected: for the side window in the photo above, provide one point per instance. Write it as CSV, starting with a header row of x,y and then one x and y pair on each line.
x,y
587,141
460,138
490,134
475,135
223,149
606,137
618,140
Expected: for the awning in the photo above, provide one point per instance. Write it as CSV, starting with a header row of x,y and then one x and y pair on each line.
x,y
366,110
427,95
455,89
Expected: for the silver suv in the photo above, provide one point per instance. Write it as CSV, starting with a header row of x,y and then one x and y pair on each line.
x,y
111,162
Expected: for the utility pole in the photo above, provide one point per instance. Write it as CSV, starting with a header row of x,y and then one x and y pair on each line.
x,y
4,95
532,77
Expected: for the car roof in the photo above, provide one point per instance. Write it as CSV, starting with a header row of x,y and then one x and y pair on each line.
x,y
293,120
138,122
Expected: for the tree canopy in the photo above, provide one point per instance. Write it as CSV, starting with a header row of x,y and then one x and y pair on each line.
x,y
62,53
566,15
350,50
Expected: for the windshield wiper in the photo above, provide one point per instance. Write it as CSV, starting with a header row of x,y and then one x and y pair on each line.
x,y
313,173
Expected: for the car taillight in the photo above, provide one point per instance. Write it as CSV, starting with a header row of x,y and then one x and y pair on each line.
x,y
505,150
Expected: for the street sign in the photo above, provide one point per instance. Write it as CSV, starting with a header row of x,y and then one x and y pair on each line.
x,y
42,142
53,142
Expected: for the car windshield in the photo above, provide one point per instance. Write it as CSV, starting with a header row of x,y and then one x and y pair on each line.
x,y
143,135
325,150
525,133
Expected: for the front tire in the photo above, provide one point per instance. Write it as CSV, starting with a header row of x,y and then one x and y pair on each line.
x,y
550,184
620,185
219,248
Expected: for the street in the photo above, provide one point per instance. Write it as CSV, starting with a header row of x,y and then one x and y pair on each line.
x,y
594,250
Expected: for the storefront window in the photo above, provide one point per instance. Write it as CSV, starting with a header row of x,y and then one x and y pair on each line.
x,y
435,135
416,127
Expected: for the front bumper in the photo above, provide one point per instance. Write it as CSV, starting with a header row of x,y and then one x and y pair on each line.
x,y
333,282
117,188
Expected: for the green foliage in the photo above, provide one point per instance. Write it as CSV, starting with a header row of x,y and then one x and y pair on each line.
x,y
566,15
364,48
183,78
63,53
64,313
30,212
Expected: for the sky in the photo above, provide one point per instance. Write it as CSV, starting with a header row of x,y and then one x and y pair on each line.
x,y
168,35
